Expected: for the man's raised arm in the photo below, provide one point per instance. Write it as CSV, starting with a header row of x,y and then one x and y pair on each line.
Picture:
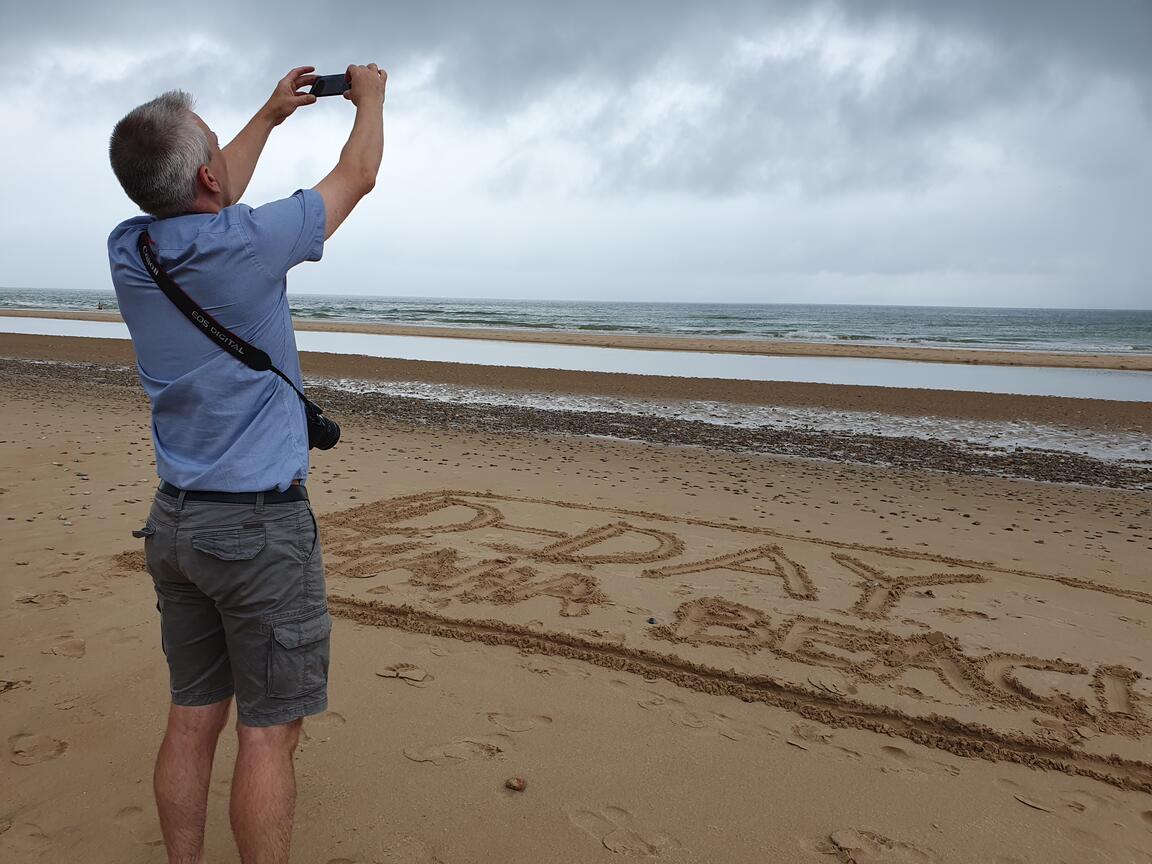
x,y
355,173
244,150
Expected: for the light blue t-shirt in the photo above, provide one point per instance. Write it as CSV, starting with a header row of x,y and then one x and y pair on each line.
x,y
218,425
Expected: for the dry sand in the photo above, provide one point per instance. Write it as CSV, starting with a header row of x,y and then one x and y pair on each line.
x,y
846,663
775,347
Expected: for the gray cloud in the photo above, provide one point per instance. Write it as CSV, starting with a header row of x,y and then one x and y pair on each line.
x,y
783,123
999,137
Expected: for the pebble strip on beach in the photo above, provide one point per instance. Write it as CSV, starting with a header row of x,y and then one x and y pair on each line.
x,y
902,452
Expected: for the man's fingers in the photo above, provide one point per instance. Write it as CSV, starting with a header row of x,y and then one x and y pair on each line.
x,y
297,72
305,98
305,80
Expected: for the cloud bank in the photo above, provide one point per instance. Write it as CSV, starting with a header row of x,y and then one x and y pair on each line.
x,y
934,153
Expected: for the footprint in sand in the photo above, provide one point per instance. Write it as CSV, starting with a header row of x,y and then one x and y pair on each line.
x,y
1081,800
461,750
615,829
120,637
142,826
548,669
902,760
6,685
1147,817
409,673
66,645
29,749
857,846
46,600
723,726
647,699
321,727
23,838
806,736
681,715
518,722
402,849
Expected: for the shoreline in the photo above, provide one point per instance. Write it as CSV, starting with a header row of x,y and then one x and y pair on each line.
x,y
1093,414
636,341
346,386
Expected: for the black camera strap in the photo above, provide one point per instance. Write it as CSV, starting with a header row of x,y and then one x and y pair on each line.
x,y
245,352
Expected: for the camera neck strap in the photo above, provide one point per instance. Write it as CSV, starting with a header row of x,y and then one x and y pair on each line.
x,y
245,352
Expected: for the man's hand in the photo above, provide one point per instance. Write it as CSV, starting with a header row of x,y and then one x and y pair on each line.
x,y
367,84
287,97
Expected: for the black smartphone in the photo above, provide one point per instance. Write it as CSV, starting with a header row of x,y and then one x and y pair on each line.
x,y
330,85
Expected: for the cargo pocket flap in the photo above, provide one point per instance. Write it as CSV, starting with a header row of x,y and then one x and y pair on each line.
x,y
236,545
293,634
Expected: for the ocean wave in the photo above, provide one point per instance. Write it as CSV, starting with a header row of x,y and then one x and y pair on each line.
x,y
617,328
1081,331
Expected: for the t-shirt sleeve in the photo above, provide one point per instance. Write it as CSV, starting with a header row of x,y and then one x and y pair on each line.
x,y
283,233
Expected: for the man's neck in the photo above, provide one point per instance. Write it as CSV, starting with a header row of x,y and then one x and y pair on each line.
x,y
198,209
208,205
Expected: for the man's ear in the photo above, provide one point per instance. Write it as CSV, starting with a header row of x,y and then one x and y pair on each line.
x,y
208,179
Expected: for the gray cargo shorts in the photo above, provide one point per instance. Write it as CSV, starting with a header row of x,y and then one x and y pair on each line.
x,y
240,590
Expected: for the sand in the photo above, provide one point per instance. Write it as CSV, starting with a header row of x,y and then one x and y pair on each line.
x,y
692,654
776,347
1094,414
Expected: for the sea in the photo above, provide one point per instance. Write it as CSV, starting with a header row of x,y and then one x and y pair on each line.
x,y
1074,330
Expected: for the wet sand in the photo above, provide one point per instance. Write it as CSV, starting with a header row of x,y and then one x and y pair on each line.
x,y
1139,362
690,653
1084,413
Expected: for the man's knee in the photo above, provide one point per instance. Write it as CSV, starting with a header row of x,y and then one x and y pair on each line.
x,y
283,736
199,721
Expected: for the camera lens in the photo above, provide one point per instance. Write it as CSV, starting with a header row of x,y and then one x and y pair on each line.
x,y
323,434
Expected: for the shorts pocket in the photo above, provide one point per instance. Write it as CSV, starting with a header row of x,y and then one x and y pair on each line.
x,y
309,535
160,609
153,550
298,658
233,544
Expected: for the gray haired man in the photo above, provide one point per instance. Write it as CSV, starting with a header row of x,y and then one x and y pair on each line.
x,y
231,541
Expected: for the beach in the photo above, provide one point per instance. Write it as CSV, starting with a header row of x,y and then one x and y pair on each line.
x,y
695,641
775,347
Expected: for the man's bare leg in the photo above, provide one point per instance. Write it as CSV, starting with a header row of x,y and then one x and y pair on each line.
x,y
183,771
264,792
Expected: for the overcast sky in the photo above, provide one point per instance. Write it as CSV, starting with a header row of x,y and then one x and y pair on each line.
x,y
985,152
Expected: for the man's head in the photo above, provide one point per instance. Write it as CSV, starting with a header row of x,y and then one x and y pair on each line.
x,y
168,160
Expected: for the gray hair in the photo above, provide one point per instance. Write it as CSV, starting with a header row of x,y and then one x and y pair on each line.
x,y
156,153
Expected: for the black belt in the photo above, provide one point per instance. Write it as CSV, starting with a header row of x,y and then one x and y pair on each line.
x,y
292,493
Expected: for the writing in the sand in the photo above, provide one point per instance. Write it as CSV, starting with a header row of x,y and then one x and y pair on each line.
x,y
869,654
888,618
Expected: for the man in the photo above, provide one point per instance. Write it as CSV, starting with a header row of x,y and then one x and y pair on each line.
x,y
231,541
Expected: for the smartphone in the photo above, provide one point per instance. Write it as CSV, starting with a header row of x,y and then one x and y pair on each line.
x,y
330,85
